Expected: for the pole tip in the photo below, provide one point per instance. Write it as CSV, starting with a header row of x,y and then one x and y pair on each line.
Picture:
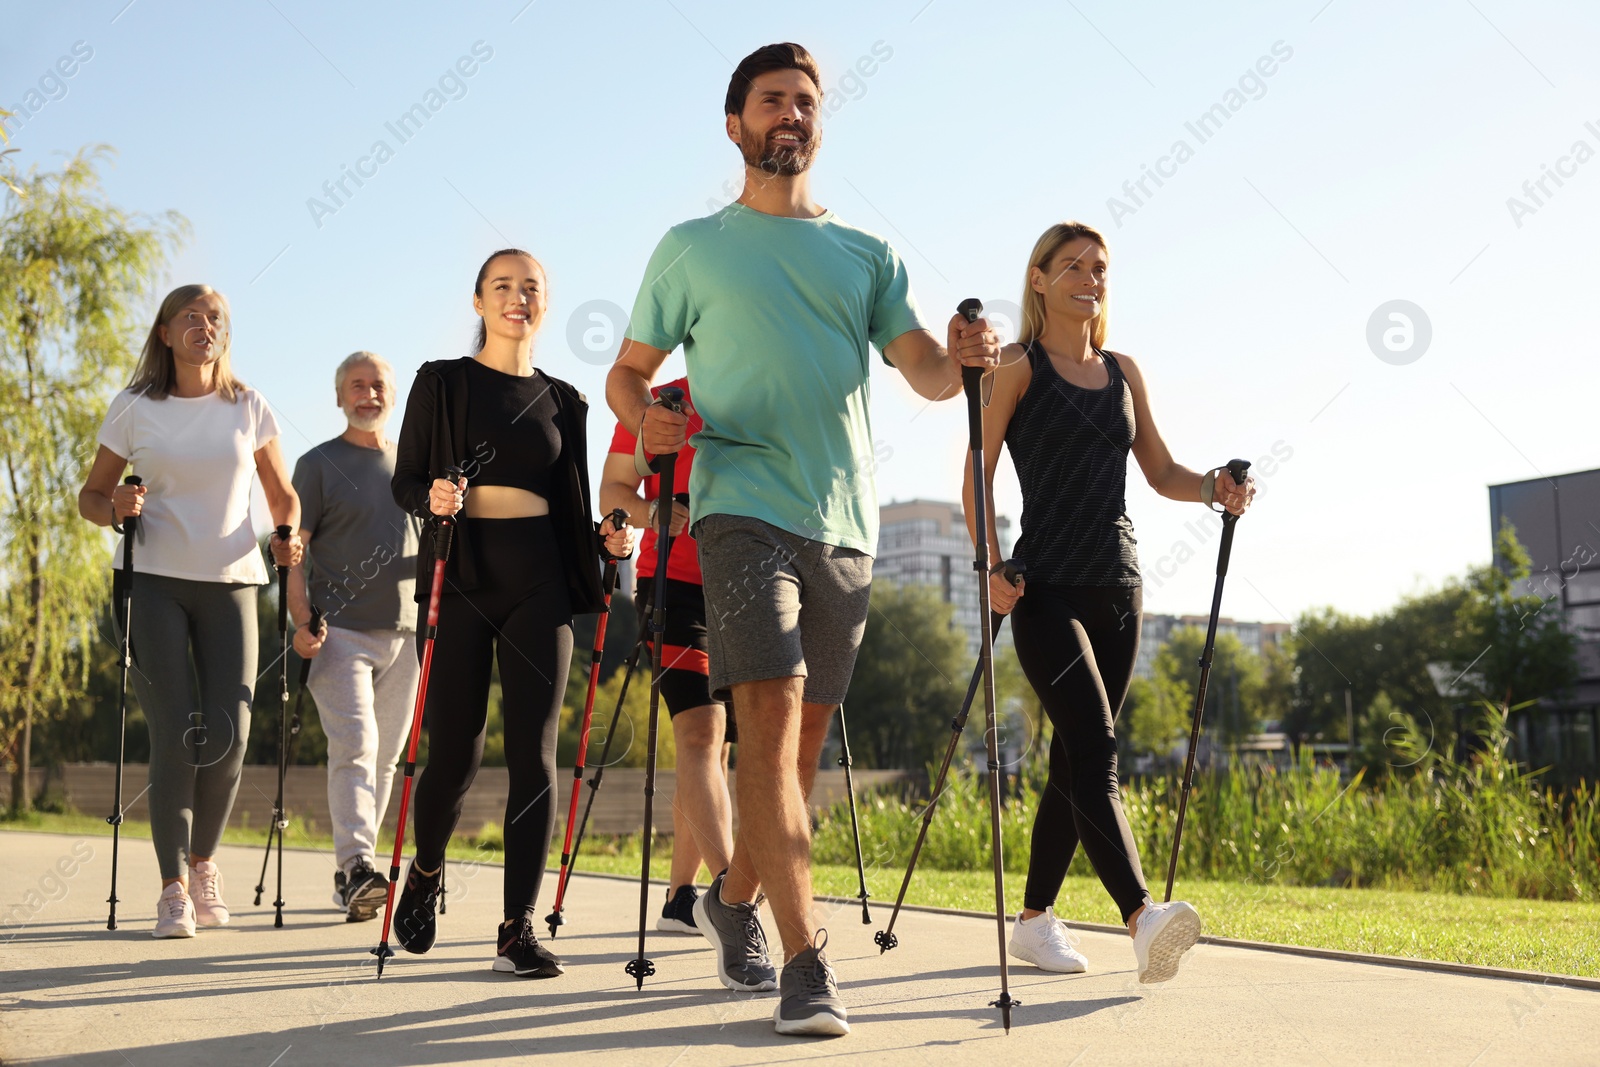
x,y
640,969
1005,1004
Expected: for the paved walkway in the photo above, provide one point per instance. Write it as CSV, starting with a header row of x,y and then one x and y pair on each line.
x,y
73,992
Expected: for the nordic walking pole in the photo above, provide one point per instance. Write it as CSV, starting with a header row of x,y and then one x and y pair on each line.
x,y
885,938
666,466
286,756
972,384
317,628
855,825
608,583
279,821
611,732
443,531
1236,468
125,610
284,533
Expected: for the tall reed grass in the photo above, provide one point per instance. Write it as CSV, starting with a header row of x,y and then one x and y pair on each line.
x,y
1484,826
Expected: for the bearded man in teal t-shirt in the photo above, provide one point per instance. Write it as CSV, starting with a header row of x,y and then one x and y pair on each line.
x,y
776,301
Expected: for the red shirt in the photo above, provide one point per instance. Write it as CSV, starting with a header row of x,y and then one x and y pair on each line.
x,y
684,563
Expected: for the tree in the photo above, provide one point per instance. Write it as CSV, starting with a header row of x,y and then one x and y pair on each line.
x,y
73,268
1525,653
8,176
1332,652
1233,691
1155,716
911,673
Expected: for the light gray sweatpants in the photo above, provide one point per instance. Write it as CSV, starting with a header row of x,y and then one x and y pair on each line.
x,y
365,685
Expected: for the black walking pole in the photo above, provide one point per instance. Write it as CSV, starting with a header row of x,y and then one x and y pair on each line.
x,y
443,529
886,938
1237,469
123,607
279,821
666,466
608,582
317,628
855,825
972,384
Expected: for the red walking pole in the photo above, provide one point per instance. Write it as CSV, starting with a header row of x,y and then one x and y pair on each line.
x,y
443,531
609,583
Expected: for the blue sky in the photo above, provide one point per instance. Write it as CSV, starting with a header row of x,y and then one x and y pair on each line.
x,y
1367,155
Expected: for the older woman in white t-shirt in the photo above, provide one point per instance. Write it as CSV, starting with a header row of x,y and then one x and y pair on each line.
x,y
195,435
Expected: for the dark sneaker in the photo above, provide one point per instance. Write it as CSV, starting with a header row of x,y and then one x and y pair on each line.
x,y
522,955
677,915
415,924
365,892
809,996
735,930
339,881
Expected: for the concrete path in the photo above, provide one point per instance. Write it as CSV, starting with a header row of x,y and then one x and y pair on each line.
x,y
73,992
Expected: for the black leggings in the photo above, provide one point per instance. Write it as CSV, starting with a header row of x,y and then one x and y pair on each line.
x,y
1077,645
522,607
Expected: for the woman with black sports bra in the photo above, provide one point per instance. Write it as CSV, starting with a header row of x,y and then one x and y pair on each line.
x,y
526,558
1071,411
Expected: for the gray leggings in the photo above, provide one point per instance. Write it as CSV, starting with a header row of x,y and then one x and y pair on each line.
x,y
196,746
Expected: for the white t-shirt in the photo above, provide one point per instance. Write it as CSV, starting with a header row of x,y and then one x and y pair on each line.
x,y
197,458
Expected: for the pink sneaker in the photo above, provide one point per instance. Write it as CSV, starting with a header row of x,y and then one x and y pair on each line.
x,y
205,890
174,913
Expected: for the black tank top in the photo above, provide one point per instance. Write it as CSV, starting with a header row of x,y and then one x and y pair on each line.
x,y
511,429
1070,447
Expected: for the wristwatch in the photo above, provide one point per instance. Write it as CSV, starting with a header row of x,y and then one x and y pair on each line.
x,y
651,520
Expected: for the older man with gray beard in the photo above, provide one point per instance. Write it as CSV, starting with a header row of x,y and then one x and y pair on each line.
x,y
364,670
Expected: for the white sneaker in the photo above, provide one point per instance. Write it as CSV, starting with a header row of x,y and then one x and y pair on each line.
x,y
1165,933
205,891
174,913
1045,942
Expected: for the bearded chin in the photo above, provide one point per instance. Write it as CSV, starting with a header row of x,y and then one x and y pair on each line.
x,y
366,423
779,162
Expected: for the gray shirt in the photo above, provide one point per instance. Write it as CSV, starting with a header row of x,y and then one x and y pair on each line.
x,y
363,555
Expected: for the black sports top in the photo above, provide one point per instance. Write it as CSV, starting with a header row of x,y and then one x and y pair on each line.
x,y
1070,447
511,429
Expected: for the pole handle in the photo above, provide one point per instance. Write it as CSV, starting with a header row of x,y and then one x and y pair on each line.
x,y
972,379
131,523
283,533
618,517
444,526
671,398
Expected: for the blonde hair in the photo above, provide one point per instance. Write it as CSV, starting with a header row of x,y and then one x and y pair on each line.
x,y
355,359
155,375
1044,250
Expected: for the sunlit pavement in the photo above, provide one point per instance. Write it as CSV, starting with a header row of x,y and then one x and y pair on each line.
x,y
74,992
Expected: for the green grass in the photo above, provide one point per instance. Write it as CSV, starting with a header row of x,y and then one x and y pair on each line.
x,y
1538,935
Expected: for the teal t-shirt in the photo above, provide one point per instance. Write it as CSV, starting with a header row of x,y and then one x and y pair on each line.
x,y
775,316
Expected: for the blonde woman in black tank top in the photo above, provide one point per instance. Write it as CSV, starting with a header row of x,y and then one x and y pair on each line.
x,y
1071,411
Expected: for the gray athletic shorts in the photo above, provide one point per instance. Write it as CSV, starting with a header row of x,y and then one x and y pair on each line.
x,y
779,605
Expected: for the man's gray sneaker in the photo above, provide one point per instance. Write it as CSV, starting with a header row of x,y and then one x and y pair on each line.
x,y
809,996
741,944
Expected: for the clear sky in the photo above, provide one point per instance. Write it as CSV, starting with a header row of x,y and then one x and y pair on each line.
x,y
1357,153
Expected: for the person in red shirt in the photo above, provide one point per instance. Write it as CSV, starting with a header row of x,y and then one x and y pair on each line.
x,y
702,728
